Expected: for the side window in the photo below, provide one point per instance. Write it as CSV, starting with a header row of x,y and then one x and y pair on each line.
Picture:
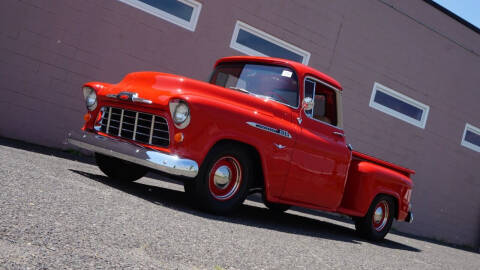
x,y
471,137
399,105
325,102
253,41
183,13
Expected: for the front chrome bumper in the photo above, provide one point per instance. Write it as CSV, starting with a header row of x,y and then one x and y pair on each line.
x,y
150,158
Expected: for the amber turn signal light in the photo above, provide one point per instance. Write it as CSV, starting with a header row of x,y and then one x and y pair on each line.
x,y
87,117
178,137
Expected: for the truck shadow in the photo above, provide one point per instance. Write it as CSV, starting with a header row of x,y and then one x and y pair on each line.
x,y
247,215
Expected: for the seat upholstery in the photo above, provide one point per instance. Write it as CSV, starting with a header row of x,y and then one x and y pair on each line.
x,y
319,109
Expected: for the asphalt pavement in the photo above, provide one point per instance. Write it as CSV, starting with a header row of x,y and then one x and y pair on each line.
x,y
58,211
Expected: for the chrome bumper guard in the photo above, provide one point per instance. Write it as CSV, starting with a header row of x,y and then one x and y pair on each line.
x,y
117,148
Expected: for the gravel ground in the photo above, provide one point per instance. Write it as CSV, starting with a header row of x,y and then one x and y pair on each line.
x,y
58,211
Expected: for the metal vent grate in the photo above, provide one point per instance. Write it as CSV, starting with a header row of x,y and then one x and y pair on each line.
x,y
137,126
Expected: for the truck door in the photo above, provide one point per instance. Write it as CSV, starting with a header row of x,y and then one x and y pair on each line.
x,y
320,157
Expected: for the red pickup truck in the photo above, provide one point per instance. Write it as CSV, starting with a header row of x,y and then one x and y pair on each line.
x,y
260,124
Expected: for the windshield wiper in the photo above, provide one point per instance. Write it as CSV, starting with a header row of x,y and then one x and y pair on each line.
x,y
262,96
239,89
246,91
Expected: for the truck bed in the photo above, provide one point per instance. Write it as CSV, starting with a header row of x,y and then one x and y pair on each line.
x,y
368,177
361,156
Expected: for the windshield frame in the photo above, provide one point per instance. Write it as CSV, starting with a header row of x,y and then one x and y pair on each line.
x,y
299,81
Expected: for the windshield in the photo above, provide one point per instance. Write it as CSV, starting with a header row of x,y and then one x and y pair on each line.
x,y
275,82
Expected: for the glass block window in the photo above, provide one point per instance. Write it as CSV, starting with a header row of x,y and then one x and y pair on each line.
x,y
252,41
471,137
398,105
180,12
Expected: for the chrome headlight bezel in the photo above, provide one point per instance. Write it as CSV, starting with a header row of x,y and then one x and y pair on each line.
x,y
180,112
90,98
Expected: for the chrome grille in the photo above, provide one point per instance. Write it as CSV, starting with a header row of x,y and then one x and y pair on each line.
x,y
137,126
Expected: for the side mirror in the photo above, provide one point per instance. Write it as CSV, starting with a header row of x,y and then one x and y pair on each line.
x,y
307,103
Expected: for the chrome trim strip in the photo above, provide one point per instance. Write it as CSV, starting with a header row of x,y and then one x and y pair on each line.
x,y
109,116
147,157
135,126
121,124
133,97
151,129
142,100
280,132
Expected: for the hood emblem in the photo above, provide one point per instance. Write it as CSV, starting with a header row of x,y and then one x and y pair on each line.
x,y
129,96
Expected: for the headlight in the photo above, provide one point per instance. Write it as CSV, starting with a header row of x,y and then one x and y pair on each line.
x,y
90,98
180,113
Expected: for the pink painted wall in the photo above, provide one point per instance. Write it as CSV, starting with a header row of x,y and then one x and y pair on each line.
x,y
49,48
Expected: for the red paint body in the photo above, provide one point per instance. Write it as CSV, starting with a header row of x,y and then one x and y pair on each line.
x,y
315,169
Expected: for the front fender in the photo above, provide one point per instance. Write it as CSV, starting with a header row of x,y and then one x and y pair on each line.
x,y
214,120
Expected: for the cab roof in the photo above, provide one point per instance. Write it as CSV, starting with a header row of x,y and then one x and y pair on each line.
x,y
301,69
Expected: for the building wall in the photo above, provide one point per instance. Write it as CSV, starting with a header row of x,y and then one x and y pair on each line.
x,y
49,48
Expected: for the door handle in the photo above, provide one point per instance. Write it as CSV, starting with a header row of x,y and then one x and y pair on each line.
x,y
339,134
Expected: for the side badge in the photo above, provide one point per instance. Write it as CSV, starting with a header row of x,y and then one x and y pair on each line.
x,y
280,132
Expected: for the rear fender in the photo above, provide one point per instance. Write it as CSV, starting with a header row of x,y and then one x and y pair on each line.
x,y
367,180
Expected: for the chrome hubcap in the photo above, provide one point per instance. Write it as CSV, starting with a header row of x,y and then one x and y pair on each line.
x,y
225,178
380,216
222,177
377,217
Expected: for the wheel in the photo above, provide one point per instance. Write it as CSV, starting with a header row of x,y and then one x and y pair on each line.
x,y
119,170
378,220
223,180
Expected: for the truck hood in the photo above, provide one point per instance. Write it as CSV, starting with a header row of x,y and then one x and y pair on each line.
x,y
154,86
161,87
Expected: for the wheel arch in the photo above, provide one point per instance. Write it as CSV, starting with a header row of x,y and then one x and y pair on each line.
x,y
366,181
259,181
394,198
